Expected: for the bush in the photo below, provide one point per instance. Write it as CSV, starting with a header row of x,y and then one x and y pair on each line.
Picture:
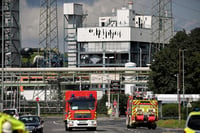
x,y
170,110
101,105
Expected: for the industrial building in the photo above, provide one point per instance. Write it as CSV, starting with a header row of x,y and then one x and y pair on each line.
x,y
123,37
10,33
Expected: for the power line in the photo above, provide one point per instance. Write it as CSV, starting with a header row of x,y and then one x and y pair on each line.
x,y
181,5
184,18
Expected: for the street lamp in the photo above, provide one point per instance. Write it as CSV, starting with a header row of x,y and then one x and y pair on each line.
x,y
183,65
116,51
178,98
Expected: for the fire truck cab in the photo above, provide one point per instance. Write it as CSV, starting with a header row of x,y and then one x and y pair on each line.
x,y
141,113
80,110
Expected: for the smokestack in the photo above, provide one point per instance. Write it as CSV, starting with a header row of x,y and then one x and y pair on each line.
x,y
130,5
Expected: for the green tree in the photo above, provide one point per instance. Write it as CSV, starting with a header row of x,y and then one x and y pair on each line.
x,y
165,65
101,105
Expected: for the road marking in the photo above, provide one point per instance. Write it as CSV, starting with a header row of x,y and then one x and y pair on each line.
x,y
168,132
133,130
54,122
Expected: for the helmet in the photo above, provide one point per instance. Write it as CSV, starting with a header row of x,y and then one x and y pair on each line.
x,y
7,127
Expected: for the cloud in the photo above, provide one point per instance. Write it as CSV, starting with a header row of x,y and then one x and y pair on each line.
x,y
29,19
104,8
30,15
188,25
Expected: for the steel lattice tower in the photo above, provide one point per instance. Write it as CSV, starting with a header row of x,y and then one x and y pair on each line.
x,y
48,30
10,33
162,23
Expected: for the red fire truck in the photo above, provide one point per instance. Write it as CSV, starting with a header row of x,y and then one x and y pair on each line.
x,y
80,110
141,113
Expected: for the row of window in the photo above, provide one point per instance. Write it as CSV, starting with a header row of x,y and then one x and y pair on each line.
x,y
107,46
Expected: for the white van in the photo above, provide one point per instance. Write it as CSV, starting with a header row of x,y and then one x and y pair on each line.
x,y
12,112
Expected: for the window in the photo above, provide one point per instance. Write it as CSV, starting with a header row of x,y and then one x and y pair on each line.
x,y
102,24
194,122
82,104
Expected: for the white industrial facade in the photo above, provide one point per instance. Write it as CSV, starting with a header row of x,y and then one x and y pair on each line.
x,y
123,37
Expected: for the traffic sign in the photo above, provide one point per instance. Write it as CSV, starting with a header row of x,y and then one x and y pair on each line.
x,y
37,99
115,103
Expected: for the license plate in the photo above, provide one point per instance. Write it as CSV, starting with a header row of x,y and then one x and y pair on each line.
x,y
82,122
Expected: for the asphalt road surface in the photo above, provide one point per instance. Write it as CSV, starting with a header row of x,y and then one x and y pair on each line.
x,y
56,125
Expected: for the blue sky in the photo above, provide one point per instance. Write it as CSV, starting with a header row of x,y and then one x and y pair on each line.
x,y
186,15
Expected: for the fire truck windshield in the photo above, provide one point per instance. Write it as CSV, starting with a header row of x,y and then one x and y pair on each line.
x,y
82,104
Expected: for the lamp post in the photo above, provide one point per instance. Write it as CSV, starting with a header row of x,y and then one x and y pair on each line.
x,y
109,57
179,104
179,80
178,98
108,92
115,55
183,67
117,109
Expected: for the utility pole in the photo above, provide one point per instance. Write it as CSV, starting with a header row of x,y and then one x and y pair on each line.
x,y
183,75
179,83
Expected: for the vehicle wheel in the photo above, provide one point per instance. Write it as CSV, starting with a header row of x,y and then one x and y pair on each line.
x,y
127,123
149,126
38,131
66,128
70,129
154,126
127,126
92,129
134,126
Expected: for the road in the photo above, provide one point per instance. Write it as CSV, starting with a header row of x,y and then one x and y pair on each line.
x,y
56,125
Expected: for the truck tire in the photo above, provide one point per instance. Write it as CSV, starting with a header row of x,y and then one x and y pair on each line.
x,y
92,128
127,122
66,128
154,126
149,126
134,126
70,128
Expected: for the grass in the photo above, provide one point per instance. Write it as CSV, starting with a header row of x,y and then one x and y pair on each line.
x,y
171,123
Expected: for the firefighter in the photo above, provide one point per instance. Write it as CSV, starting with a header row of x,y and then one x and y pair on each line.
x,y
110,112
9,124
